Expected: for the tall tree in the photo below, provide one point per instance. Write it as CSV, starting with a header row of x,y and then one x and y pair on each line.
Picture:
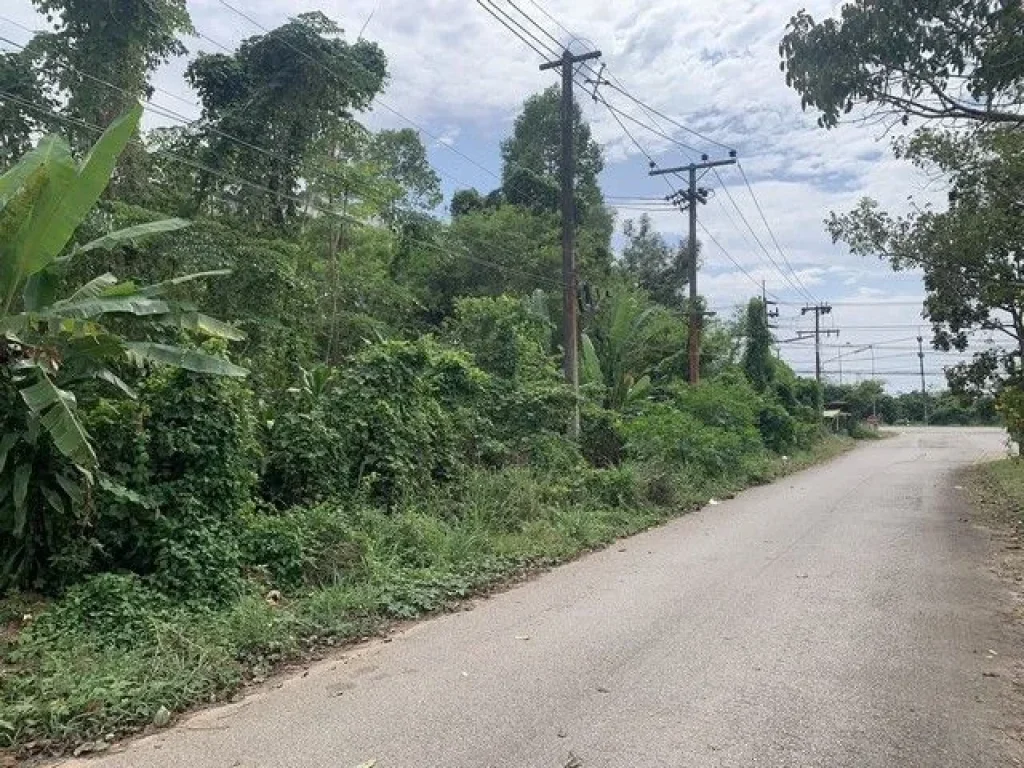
x,y
758,363
932,59
18,122
654,265
972,254
119,42
531,170
281,102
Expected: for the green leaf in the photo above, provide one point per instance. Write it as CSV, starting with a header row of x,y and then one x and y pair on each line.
x,y
14,179
72,488
113,379
134,234
157,289
40,290
591,370
53,499
95,287
19,493
123,493
139,306
56,411
200,323
7,442
178,357
69,196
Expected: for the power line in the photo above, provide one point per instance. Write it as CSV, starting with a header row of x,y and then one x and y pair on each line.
x,y
543,51
799,289
764,218
739,266
648,108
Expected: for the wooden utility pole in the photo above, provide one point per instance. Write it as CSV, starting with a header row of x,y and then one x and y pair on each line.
x,y
692,197
924,388
818,310
570,366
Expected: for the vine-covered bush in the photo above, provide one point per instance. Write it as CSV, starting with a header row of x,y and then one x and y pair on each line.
x,y
203,460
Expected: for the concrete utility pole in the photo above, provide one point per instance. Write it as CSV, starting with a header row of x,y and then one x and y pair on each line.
x,y
818,310
924,388
571,365
693,196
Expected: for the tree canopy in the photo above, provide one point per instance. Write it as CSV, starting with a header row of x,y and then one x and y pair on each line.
x,y
931,59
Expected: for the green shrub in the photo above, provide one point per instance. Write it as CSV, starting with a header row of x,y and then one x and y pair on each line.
x,y
505,337
305,460
777,428
203,457
302,547
616,487
404,409
602,440
123,526
114,609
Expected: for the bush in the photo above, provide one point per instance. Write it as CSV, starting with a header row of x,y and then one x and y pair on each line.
x,y
305,462
777,428
505,338
602,439
405,411
303,547
116,609
203,457
711,428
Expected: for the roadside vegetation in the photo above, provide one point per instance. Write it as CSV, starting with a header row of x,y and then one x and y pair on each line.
x,y
998,491
260,397
372,427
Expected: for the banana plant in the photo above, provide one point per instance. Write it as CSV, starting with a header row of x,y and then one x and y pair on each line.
x,y
625,342
50,343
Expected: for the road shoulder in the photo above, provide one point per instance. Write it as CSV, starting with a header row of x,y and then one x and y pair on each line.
x,y
994,501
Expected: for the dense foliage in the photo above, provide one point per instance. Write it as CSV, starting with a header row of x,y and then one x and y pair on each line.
x,y
396,437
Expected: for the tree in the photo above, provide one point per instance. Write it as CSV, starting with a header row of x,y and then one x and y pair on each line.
x,y
532,161
931,59
19,124
972,254
50,347
280,103
758,362
655,266
400,158
119,42
627,343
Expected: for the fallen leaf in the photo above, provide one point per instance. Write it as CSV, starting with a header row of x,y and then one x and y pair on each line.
x,y
603,690
574,762
522,637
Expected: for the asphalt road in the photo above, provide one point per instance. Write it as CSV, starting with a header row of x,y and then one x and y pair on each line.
x,y
846,616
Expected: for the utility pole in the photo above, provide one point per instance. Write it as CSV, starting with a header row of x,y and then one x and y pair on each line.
x,y
571,366
769,314
692,196
924,389
818,310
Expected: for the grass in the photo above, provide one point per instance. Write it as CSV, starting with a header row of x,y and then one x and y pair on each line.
x,y
997,489
98,664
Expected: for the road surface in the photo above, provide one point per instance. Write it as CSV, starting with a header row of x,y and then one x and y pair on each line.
x,y
846,616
